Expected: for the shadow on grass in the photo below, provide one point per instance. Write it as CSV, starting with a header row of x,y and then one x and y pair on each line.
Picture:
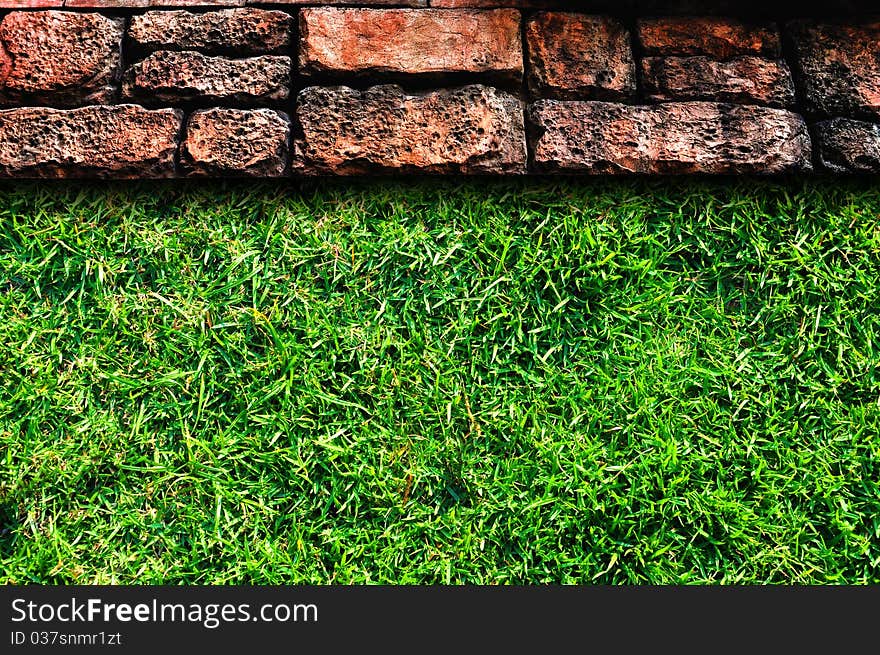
x,y
9,525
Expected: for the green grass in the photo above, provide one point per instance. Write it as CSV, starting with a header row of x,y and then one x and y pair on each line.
x,y
482,382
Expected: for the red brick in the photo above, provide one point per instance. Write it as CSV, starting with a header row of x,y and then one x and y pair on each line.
x,y
229,31
684,137
136,4
59,58
106,4
720,38
366,3
838,68
236,142
743,80
576,56
495,4
471,129
169,77
196,3
410,42
31,4
122,141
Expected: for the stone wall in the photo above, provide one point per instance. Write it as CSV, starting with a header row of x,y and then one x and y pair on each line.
x,y
178,88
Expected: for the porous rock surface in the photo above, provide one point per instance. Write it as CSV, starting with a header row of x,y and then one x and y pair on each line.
x,y
229,31
838,68
686,137
236,142
471,129
577,56
123,141
59,58
849,146
146,88
746,79
168,77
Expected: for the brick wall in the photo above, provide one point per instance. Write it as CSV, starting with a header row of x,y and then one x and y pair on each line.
x,y
177,88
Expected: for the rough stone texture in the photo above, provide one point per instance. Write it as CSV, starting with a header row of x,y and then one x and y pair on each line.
x,y
471,129
168,77
848,146
140,4
838,68
236,142
410,42
31,4
230,69
743,80
122,141
719,38
777,8
577,56
687,137
495,4
58,58
368,3
230,31
659,7
774,8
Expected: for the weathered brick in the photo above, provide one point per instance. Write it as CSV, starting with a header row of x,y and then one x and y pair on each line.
x,y
743,80
577,56
58,58
471,129
720,38
121,142
410,42
685,137
31,4
367,3
236,142
168,77
845,145
495,4
106,4
838,68
230,31
171,4
143,4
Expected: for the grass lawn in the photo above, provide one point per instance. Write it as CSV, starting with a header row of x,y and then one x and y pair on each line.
x,y
432,382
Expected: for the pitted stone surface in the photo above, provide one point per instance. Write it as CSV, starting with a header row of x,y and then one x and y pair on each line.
x,y
580,57
686,137
236,142
59,58
838,68
748,79
124,141
231,31
472,129
169,77
645,86
848,146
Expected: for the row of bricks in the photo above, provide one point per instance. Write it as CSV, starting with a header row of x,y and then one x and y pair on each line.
x,y
243,57
465,130
778,7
